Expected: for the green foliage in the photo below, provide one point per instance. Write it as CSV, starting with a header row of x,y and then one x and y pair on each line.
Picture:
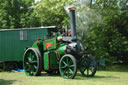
x,y
51,12
27,13
109,39
17,14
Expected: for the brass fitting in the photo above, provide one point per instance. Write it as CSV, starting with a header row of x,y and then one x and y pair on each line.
x,y
72,8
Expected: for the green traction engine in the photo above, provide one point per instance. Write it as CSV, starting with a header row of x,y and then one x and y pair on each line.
x,y
63,54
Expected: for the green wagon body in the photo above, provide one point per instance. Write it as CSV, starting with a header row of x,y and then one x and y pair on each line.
x,y
14,42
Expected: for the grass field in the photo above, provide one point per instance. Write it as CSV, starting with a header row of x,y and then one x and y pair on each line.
x,y
115,76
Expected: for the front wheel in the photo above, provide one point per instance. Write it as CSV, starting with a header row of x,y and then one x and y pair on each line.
x,y
68,66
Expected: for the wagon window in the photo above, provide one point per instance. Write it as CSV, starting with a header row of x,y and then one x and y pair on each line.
x,y
23,35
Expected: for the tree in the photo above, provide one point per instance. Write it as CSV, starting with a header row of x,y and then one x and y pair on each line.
x,y
17,14
108,39
28,18
51,12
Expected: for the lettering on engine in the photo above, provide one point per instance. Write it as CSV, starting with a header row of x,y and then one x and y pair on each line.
x,y
49,45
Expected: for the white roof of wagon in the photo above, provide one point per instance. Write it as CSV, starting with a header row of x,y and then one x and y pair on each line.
x,y
42,27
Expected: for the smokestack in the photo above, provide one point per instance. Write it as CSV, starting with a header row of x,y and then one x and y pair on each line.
x,y
73,23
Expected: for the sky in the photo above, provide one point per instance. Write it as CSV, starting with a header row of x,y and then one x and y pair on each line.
x,y
37,0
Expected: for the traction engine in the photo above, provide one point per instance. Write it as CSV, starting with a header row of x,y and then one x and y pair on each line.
x,y
63,54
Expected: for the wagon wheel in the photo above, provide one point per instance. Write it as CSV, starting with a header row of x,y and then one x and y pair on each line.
x,y
68,66
88,66
32,62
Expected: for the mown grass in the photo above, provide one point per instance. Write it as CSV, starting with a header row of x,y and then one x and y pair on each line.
x,y
117,75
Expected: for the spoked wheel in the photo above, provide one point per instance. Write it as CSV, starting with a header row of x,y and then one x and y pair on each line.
x,y
68,66
88,66
32,62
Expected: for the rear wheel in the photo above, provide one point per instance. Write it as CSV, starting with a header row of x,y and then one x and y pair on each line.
x,y
32,62
88,66
68,66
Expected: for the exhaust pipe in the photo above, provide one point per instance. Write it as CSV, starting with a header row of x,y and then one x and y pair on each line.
x,y
73,23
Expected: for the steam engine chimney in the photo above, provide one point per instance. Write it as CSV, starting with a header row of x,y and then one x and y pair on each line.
x,y
73,23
